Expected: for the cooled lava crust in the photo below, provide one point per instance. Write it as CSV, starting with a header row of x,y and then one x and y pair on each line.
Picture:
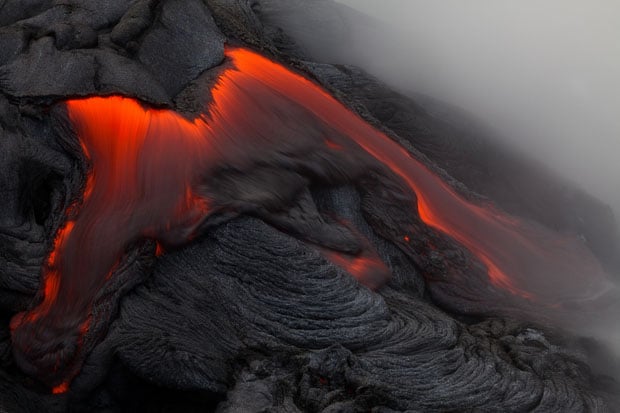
x,y
199,217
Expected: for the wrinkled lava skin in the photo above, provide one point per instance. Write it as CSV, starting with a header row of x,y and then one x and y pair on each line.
x,y
149,177
189,226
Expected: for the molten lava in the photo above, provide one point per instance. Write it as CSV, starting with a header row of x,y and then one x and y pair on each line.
x,y
149,169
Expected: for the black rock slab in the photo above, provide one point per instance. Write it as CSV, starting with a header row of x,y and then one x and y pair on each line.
x,y
183,42
147,49
251,316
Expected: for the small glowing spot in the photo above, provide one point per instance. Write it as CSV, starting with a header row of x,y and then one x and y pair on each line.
x,y
61,388
159,250
333,145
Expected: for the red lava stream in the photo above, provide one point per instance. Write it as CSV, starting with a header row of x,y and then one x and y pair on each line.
x,y
146,166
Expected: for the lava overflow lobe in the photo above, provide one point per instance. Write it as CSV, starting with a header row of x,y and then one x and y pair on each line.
x,y
149,169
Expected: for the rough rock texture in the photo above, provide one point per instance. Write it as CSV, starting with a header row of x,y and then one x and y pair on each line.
x,y
146,49
249,317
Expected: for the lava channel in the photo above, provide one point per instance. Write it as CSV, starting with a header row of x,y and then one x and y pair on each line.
x,y
147,166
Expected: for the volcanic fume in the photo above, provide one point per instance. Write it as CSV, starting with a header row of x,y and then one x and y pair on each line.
x,y
149,178
199,215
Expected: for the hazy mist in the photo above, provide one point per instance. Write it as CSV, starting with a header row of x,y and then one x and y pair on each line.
x,y
544,73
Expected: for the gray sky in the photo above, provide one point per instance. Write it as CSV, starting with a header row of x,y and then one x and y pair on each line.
x,y
544,72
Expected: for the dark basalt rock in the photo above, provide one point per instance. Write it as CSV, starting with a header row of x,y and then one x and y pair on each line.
x,y
195,39
251,316
146,49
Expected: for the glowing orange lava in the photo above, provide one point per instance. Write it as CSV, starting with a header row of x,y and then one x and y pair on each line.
x,y
144,166
147,168
61,388
367,269
525,259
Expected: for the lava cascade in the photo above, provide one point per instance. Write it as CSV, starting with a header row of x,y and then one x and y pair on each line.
x,y
146,172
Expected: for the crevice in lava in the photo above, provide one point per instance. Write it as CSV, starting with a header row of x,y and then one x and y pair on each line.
x,y
39,184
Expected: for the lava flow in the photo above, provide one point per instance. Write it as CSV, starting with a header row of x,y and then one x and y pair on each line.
x,y
149,168
526,259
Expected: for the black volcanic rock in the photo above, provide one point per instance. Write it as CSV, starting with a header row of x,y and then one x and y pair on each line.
x,y
146,49
251,316
190,40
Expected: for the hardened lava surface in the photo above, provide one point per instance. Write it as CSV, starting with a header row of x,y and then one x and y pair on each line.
x,y
191,221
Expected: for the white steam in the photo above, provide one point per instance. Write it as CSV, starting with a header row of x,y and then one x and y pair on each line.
x,y
544,73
